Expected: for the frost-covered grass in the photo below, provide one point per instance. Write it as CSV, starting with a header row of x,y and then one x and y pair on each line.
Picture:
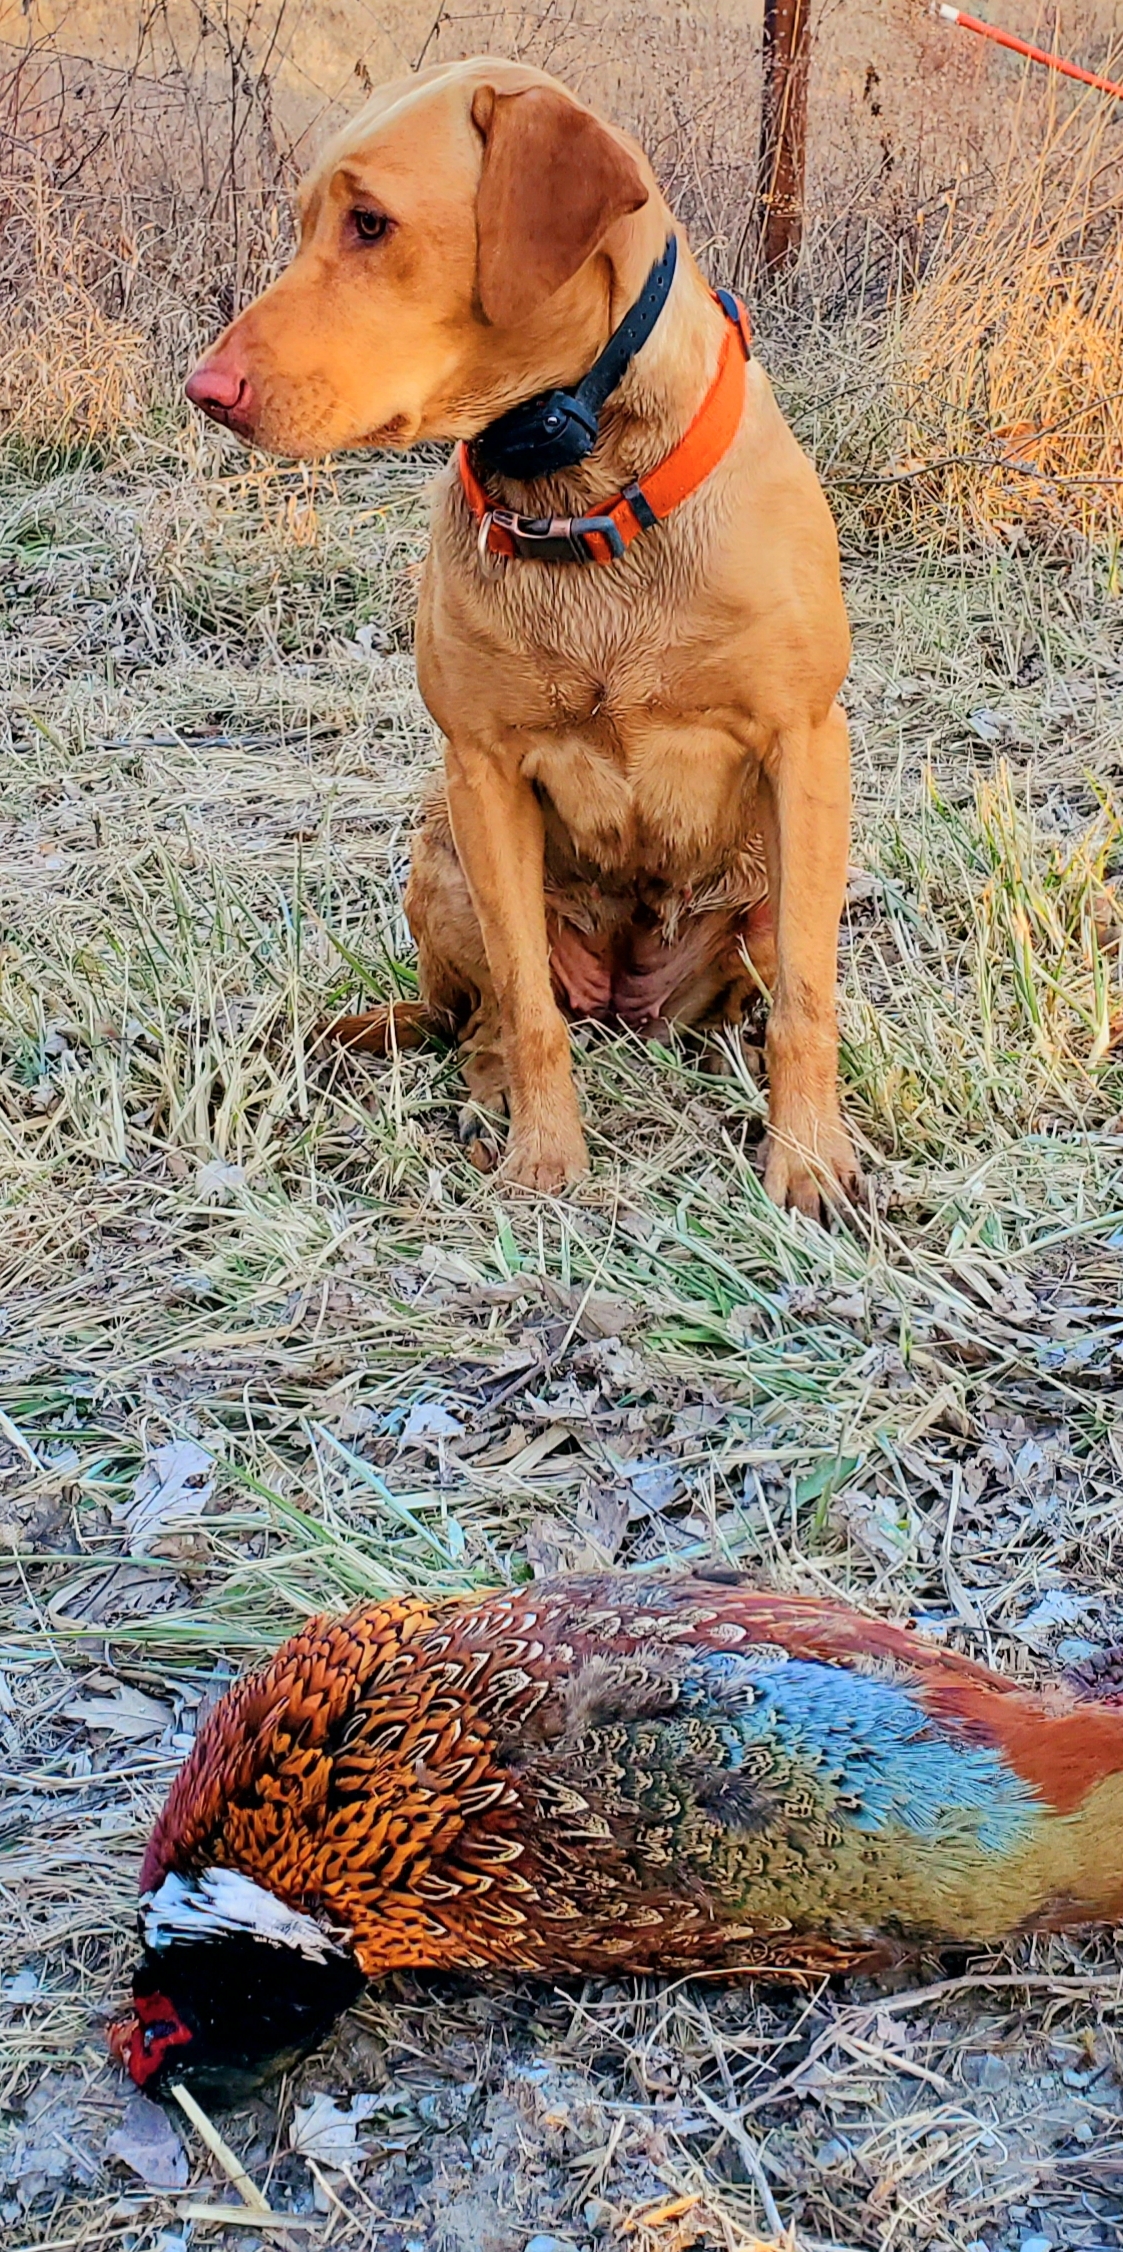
x,y
403,1375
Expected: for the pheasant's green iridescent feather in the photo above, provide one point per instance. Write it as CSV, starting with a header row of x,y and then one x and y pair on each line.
x,y
792,1794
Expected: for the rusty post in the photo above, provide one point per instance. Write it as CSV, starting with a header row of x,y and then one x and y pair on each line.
x,y
783,131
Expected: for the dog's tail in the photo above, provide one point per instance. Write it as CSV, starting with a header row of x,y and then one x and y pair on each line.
x,y
392,1025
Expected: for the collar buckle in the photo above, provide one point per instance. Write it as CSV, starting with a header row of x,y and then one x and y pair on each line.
x,y
550,539
606,530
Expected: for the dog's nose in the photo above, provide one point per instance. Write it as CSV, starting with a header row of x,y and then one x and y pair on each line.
x,y
223,390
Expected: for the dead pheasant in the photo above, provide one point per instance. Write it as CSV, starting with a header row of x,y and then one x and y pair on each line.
x,y
601,1775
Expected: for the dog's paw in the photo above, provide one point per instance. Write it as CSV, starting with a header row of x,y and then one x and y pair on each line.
x,y
545,1161
729,1052
818,1175
478,1138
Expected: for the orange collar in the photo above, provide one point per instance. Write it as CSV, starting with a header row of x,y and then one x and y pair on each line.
x,y
606,536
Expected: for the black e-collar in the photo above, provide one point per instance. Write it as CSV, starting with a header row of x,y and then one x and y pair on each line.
x,y
556,429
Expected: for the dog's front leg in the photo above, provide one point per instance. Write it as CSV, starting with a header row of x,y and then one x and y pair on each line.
x,y
500,839
805,817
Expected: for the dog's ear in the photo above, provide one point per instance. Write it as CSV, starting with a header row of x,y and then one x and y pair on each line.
x,y
553,181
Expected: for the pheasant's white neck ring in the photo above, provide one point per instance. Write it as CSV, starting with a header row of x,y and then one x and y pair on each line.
x,y
221,1902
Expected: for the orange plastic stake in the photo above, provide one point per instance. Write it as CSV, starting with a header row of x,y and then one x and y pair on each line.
x,y
1022,47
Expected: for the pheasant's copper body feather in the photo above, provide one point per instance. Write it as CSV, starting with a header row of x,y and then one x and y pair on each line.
x,y
648,1774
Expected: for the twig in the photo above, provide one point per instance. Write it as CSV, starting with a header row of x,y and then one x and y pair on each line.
x,y
751,2155
12,1433
247,2217
907,2065
247,2190
430,35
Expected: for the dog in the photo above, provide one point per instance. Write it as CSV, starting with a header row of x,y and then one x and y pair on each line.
x,y
645,808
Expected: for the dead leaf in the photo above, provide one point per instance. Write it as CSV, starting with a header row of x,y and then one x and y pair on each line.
x,y
128,1713
525,1358
146,2142
1055,1609
654,1482
568,1405
861,884
447,1266
879,1524
48,2150
217,1179
992,727
176,1483
327,2132
602,1314
355,1422
606,1314
428,1420
602,1517
585,1546
552,1547
118,1592
617,1367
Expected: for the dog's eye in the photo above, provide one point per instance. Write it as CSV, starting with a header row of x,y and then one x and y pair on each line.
x,y
370,226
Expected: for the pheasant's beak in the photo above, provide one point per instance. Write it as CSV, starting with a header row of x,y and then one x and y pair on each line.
x,y
119,2036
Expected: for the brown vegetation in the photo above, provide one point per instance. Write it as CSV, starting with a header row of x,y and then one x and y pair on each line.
x,y
955,325
218,1242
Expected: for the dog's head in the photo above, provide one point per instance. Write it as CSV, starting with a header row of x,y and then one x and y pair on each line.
x,y
470,239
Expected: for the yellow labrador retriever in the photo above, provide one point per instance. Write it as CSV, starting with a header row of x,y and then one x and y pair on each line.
x,y
632,640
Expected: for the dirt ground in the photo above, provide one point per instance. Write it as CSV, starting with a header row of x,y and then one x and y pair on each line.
x,y
268,1343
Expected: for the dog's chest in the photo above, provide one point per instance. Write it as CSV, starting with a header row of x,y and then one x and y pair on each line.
x,y
617,688
642,786
624,728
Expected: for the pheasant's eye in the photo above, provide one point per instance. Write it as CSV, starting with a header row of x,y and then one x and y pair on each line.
x,y
370,226
161,2031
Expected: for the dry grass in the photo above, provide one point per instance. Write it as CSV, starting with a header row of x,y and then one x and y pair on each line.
x,y
212,747
1009,361
953,330
216,746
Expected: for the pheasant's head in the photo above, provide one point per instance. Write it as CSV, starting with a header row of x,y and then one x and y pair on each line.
x,y
232,1987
